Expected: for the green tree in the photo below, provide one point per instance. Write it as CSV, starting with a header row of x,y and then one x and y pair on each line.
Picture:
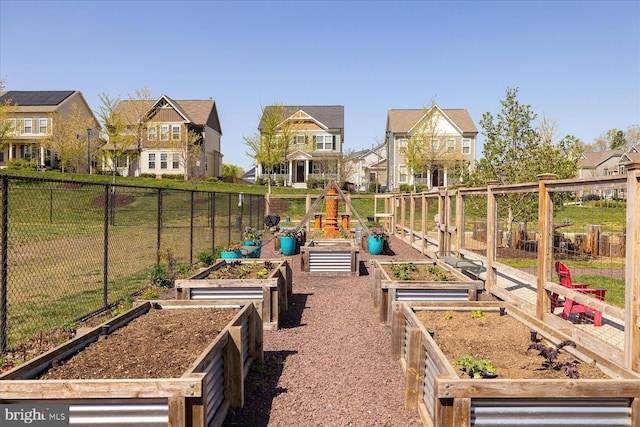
x,y
114,129
67,138
613,139
514,152
271,145
7,127
232,170
135,115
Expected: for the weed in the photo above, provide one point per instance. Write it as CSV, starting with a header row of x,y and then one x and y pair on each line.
x,y
448,316
160,276
149,294
206,258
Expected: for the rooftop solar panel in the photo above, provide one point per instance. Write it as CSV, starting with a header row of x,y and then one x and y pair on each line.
x,y
36,97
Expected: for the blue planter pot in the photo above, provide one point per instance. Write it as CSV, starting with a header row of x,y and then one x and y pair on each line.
x,y
231,254
375,244
288,245
256,253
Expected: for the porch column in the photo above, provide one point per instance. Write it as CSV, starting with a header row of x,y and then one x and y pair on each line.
x,y
290,174
429,186
42,154
306,170
446,181
10,151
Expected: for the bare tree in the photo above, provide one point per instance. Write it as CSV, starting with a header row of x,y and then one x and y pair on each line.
x,y
7,127
137,118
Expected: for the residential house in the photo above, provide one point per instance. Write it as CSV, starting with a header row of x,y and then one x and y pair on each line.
x,y
600,163
163,148
31,121
370,168
631,156
316,146
449,138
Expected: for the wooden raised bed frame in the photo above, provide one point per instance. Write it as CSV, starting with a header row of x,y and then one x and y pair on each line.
x,y
270,295
201,397
434,389
385,290
330,256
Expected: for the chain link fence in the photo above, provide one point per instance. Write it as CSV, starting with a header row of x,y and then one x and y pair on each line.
x,y
69,249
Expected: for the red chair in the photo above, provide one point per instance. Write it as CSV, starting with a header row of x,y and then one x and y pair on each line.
x,y
569,305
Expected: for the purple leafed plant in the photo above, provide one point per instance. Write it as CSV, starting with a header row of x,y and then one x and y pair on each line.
x,y
550,355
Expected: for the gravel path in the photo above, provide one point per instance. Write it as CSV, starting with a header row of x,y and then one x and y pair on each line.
x,y
330,362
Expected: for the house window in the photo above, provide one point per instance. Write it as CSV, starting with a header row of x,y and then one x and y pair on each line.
x,y
402,142
435,144
163,160
466,146
27,126
152,133
152,160
175,132
164,132
451,145
300,139
42,125
175,163
402,173
324,142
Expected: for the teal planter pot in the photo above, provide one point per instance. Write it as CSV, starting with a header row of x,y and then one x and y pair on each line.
x,y
288,245
375,244
231,254
256,253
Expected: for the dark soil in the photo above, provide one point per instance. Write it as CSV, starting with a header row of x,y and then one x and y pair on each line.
x,y
501,339
158,344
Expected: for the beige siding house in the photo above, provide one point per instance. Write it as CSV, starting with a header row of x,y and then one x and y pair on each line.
x,y
162,148
32,119
600,163
450,144
316,148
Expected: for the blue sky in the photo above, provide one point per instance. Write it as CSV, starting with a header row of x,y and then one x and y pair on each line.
x,y
575,61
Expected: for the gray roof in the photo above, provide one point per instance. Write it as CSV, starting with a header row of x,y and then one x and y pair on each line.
x,y
332,116
36,97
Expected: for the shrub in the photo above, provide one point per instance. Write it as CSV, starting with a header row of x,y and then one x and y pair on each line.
x,y
22,164
176,176
160,276
206,258
147,175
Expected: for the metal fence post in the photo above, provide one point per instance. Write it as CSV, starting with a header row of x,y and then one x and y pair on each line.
x,y
213,222
229,219
105,255
3,272
159,226
191,232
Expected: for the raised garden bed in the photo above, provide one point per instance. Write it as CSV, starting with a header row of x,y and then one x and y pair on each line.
x,y
98,380
418,281
267,283
332,256
605,394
